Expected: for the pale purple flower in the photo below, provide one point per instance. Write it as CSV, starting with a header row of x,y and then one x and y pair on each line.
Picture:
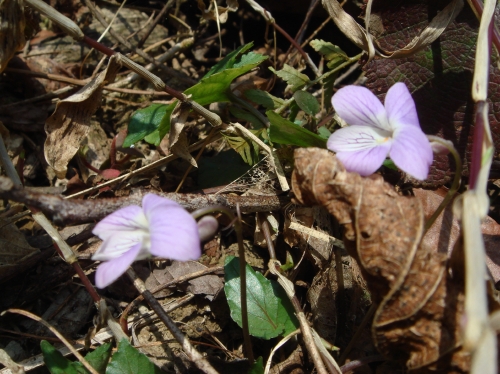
x,y
376,132
160,228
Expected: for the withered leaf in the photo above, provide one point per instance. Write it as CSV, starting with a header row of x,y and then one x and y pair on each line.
x,y
70,122
177,137
419,302
12,24
439,77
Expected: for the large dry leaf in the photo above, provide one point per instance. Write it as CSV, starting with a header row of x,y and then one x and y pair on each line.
x,y
70,123
12,24
439,77
420,302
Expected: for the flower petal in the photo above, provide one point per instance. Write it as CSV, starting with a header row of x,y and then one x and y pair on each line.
x,y
116,245
173,231
364,162
359,106
400,106
357,138
109,271
412,152
130,218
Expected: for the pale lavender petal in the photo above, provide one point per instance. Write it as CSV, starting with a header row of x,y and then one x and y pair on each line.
x,y
364,162
109,271
126,219
118,244
412,152
359,106
400,107
207,227
357,138
174,232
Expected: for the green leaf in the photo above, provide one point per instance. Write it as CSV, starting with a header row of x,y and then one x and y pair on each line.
x,y
293,77
228,61
128,360
247,116
270,313
99,358
324,132
257,367
264,98
212,88
143,122
283,131
332,53
247,148
307,102
56,363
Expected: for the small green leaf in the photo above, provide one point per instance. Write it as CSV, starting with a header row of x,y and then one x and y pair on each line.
x,y
228,61
143,122
99,358
270,313
293,77
283,131
128,360
264,98
247,148
390,164
333,54
257,367
307,102
324,132
57,363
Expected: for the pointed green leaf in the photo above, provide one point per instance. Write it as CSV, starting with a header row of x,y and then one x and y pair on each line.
x,y
56,363
228,61
270,313
332,53
128,360
257,367
324,132
99,358
264,98
283,131
143,122
293,77
307,102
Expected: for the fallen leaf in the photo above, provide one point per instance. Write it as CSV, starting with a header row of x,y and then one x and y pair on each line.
x,y
70,123
208,285
420,303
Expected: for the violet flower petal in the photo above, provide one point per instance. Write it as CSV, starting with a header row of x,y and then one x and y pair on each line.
x,y
109,271
400,106
358,106
207,227
174,232
117,245
126,219
364,162
412,152
357,138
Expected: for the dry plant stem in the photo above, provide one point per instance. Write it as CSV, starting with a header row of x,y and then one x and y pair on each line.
x,y
130,307
158,18
456,180
190,351
477,7
307,335
264,227
355,364
243,274
56,333
272,156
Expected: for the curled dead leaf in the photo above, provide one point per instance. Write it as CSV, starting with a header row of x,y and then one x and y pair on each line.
x,y
177,137
70,122
420,302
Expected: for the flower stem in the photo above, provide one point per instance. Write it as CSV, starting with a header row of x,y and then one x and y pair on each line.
x,y
243,275
456,181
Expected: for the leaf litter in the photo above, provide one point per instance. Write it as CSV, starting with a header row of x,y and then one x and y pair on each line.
x,y
367,276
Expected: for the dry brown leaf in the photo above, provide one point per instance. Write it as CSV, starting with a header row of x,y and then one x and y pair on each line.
x,y
222,12
179,144
444,233
14,249
420,303
12,24
70,123
208,285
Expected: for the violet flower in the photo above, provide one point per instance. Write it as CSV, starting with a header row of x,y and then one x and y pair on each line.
x,y
160,228
376,131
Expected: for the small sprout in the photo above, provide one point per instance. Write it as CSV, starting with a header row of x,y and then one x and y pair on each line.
x,y
160,228
376,132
